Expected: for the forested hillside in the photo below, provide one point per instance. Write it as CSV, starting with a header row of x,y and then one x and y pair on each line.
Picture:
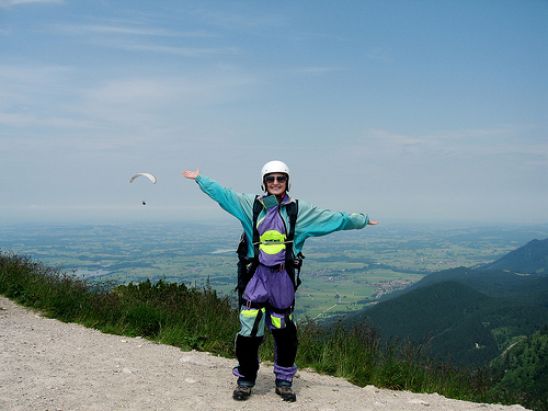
x,y
524,369
469,316
532,258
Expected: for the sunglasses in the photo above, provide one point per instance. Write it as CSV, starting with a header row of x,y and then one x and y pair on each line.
x,y
271,179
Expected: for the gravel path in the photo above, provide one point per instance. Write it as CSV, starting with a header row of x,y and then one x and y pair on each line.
x,y
49,365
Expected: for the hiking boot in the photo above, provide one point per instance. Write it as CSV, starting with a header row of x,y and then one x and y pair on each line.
x,y
241,393
286,393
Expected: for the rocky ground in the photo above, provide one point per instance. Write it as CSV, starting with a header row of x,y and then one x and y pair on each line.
x,y
49,365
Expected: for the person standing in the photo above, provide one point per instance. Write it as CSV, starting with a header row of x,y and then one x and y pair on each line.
x,y
268,298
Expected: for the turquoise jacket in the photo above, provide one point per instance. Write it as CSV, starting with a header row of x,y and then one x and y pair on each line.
x,y
312,221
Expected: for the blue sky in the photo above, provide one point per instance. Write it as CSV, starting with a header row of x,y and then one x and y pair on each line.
x,y
413,110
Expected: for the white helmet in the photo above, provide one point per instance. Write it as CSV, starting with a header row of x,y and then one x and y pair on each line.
x,y
275,166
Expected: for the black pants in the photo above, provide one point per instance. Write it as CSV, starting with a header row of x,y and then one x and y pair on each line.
x,y
247,351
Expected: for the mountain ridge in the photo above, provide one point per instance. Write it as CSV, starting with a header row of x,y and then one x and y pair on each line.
x,y
468,315
532,258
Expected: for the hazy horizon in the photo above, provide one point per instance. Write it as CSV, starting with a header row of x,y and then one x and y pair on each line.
x,y
222,219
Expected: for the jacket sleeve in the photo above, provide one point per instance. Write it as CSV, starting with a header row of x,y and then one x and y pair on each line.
x,y
237,204
313,221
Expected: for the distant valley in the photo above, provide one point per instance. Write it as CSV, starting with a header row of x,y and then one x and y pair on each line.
x,y
343,273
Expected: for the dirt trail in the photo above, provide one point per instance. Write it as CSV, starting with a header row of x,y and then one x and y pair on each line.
x,y
49,365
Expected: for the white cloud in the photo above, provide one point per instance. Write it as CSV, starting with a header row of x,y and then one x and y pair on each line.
x,y
14,3
241,20
50,109
130,37
314,70
466,143
393,139
23,88
44,122
458,163
142,94
133,30
31,73
16,119
172,50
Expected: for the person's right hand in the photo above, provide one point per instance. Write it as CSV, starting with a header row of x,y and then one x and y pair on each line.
x,y
191,174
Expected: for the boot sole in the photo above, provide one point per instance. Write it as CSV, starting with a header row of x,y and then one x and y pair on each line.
x,y
240,396
287,397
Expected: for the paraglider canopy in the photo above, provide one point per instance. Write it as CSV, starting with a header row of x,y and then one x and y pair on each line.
x,y
152,178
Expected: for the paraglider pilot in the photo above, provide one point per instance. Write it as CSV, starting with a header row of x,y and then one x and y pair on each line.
x,y
269,295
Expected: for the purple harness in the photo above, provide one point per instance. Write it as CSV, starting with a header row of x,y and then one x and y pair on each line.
x,y
271,284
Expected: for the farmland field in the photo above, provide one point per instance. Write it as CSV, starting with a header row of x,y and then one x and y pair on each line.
x,y
342,272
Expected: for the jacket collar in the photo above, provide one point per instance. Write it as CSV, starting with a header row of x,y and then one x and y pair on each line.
x,y
286,200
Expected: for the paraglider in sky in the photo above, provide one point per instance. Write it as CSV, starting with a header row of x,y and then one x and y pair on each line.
x,y
149,176
152,178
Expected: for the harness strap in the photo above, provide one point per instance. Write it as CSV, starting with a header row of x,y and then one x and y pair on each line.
x,y
292,211
257,208
247,266
274,242
260,306
256,323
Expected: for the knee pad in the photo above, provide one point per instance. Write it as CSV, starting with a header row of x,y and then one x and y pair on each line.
x,y
277,321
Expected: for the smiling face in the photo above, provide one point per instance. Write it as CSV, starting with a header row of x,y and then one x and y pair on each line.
x,y
276,183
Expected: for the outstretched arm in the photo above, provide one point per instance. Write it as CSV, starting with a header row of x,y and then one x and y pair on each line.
x,y
313,221
237,204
